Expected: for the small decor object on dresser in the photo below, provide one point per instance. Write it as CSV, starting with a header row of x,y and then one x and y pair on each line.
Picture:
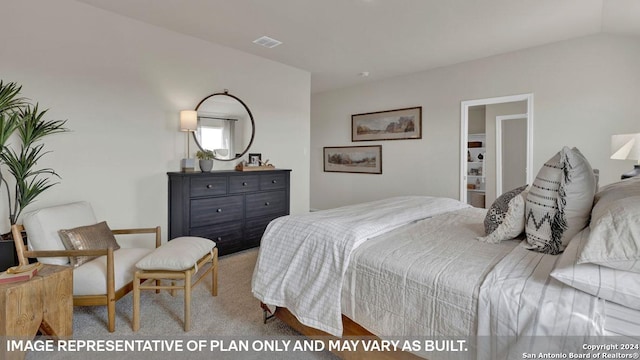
x,y
205,160
255,159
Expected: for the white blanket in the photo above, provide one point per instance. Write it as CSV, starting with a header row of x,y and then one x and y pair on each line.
x,y
303,258
522,308
422,280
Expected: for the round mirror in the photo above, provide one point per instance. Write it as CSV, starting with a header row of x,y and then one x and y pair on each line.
x,y
225,126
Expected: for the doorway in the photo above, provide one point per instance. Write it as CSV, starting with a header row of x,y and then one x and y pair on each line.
x,y
511,152
484,170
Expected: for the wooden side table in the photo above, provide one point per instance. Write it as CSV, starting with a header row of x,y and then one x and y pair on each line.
x,y
43,303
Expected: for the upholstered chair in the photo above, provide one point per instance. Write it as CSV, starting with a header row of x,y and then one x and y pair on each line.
x,y
103,272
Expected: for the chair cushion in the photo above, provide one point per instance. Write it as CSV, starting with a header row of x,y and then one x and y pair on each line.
x,y
178,254
42,227
90,237
91,277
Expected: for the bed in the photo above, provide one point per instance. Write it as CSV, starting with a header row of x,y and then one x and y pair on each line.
x,y
412,267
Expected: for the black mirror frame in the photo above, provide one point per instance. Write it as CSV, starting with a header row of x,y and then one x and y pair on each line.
x,y
253,125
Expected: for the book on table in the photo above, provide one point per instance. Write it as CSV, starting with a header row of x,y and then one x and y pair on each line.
x,y
19,273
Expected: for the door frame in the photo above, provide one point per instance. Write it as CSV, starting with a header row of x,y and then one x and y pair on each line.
x,y
464,126
499,120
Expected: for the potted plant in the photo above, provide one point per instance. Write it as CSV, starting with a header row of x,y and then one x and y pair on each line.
x,y
27,120
9,121
205,160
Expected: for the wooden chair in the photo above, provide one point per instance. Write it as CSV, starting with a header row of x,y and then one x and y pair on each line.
x,y
88,289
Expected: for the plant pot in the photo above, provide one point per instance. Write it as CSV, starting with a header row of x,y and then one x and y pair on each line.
x,y
8,257
205,165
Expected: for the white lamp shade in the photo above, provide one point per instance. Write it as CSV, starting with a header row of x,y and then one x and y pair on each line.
x,y
625,147
188,120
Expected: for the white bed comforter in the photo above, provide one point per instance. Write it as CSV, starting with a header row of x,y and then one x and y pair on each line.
x,y
522,308
422,280
303,258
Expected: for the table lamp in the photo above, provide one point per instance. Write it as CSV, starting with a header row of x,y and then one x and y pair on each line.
x,y
627,147
188,124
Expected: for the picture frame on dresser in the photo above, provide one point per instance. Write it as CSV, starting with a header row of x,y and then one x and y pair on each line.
x,y
255,159
232,208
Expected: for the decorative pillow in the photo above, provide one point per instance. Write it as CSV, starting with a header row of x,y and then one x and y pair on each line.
x,y
615,228
179,254
505,221
90,237
499,209
559,201
618,286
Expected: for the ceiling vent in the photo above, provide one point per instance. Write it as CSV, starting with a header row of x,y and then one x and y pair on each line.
x,y
267,42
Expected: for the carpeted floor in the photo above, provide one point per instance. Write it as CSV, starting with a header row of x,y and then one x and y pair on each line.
x,y
234,315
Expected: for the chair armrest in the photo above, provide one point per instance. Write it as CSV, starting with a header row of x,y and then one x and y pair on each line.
x,y
57,253
155,230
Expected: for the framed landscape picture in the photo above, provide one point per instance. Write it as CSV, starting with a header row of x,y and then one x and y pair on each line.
x,y
353,159
399,124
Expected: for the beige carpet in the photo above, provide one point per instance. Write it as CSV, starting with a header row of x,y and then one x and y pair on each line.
x,y
233,315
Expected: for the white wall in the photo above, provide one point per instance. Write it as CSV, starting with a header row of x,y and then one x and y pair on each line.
x,y
121,84
584,90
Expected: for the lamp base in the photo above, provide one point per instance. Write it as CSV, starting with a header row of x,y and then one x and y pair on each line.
x,y
188,165
635,172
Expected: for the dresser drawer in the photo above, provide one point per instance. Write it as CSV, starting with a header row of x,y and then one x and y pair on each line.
x,y
275,181
208,211
266,203
207,186
254,228
245,183
223,233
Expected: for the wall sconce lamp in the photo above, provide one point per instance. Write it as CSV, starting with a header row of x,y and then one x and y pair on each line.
x,y
188,124
627,147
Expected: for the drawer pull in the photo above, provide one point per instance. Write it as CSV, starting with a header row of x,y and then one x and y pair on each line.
x,y
244,183
267,203
209,186
219,210
219,238
274,181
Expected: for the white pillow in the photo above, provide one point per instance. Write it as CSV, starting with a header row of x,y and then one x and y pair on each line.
x,y
178,254
622,287
615,235
42,227
559,201
511,222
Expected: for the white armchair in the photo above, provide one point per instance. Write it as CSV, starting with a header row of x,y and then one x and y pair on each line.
x,y
100,281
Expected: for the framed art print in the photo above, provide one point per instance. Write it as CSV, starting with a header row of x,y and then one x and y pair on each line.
x,y
353,159
399,124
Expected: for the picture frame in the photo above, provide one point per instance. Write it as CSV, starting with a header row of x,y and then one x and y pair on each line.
x,y
397,124
255,159
353,159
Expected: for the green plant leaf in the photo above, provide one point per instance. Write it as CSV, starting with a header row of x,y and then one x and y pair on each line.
x,y
9,99
35,127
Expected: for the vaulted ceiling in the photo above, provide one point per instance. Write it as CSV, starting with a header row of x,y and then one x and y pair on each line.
x,y
337,40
